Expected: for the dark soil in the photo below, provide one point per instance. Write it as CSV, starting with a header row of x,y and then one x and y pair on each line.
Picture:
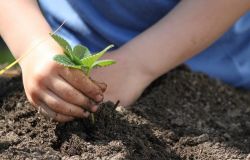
x,y
182,115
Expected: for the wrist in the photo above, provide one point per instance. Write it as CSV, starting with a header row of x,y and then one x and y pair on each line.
x,y
133,67
136,64
43,48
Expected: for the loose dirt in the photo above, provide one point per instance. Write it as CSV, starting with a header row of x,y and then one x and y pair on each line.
x,y
182,115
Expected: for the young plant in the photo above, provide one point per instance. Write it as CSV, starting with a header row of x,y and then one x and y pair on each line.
x,y
80,58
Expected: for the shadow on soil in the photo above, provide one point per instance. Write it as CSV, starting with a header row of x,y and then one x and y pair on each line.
x,y
201,113
133,137
183,115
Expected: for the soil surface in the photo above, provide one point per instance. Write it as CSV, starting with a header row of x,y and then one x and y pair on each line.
x,y
182,115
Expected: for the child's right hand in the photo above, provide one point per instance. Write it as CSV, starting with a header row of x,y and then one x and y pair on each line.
x,y
58,92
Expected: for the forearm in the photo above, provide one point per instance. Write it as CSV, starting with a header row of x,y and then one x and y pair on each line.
x,y
191,27
22,25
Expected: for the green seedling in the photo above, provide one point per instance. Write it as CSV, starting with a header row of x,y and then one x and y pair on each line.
x,y
80,58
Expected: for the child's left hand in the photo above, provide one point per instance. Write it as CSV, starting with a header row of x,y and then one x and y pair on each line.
x,y
125,81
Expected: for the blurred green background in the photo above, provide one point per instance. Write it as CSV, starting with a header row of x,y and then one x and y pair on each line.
x,y
5,55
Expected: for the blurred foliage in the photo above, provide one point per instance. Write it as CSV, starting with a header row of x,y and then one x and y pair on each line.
x,y
5,54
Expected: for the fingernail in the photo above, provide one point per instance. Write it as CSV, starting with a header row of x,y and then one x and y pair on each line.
x,y
99,98
94,108
86,114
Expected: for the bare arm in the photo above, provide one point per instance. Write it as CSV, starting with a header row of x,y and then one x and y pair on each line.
x,y
188,29
62,94
22,25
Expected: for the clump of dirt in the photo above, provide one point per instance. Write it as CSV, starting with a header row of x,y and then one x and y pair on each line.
x,y
182,115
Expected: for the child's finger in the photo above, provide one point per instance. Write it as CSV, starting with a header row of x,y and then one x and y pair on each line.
x,y
81,82
68,93
48,113
103,86
58,105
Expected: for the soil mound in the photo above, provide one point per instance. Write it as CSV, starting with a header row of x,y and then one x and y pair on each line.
x,y
182,115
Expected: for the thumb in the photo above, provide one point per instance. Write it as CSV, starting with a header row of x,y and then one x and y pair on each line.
x,y
101,85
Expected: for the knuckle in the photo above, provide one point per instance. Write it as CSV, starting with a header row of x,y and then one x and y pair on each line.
x,y
31,100
60,107
102,86
39,79
79,80
54,104
69,94
41,73
70,111
80,99
63,119
52,67
73,97
32,95
58,118
85,101
92,91
87,114
63,70
74,112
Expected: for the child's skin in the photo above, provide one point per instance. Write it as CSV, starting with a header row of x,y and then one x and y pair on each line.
x,y
65,94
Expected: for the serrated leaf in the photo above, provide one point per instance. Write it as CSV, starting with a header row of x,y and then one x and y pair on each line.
x,y
81,51
65,61
90,60
64,44
75,60
103,63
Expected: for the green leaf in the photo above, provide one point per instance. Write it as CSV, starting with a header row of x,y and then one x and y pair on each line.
x,y
103,63
81,51
64,44
65,61
75,60
90,60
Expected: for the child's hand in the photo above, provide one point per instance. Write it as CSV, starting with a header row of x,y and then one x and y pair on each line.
x,y
58,92
125,80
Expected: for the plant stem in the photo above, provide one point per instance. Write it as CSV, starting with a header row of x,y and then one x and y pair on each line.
x,y
91,114
117,103
88,73
92,118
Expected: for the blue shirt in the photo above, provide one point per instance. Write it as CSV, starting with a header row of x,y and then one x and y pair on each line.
x,y
98,23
